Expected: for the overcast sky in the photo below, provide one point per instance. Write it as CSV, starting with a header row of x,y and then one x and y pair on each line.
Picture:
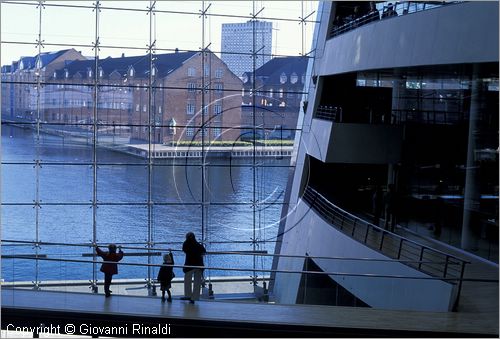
x,y
127,31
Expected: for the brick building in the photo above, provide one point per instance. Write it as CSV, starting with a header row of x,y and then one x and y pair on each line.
x,y
19,82
183,92
275,98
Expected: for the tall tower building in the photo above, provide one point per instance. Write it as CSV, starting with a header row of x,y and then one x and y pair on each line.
x,y
241,40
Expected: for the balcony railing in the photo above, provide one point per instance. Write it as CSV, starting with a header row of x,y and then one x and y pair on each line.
x,y
423,258
397,117
351,22
236,283
428,117
332,113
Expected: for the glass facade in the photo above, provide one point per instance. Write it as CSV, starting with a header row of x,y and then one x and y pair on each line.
x,y
447,175
121,123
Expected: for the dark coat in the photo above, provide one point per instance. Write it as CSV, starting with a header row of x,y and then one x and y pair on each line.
x,y
194,254
109,268
166,273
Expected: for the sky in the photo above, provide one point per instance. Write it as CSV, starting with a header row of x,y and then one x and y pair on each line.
x,y
124,26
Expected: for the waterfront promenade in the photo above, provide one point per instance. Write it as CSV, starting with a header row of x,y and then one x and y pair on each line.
x,y
159,151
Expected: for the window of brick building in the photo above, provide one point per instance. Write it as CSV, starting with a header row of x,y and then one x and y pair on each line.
x,y
190,108
216,131
283,78
217,109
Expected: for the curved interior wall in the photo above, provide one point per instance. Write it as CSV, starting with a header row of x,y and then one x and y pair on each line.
x,y
319,239
452,34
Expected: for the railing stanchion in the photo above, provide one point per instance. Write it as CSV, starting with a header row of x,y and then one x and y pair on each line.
x,y
446,266
462,270
337,217
421,257
400,248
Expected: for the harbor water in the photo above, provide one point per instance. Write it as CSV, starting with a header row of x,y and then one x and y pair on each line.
x,y
242,203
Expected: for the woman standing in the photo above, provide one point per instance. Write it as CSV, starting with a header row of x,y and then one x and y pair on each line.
x,y
194,257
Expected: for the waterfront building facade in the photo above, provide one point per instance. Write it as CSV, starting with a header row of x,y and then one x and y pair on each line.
x,y
184,96
278,97
19,81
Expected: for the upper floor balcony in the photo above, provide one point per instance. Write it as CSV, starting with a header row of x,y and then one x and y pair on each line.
x,y
352,16
411,39
340,138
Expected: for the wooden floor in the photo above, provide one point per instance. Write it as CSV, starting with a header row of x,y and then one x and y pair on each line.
x,y
237,319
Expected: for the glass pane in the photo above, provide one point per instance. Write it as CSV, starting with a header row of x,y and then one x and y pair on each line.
x,y
57,220
122,224
177,181
124,25
168,23
72,17
139,117
64,183
122,183
169,230
19,24
21,271
18,183
18,223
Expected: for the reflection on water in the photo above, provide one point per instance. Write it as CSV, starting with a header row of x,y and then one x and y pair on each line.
x,y
65,189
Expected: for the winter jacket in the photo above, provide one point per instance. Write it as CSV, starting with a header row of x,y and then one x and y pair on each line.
x,y
109,268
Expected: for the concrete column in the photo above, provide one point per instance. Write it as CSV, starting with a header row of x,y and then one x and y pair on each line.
x,y
398,91
472,192
390,174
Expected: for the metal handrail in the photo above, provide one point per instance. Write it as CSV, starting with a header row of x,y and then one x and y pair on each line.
x,y
370,275
333,113
359,229
399,9
331,213
400,116
93,283
156,250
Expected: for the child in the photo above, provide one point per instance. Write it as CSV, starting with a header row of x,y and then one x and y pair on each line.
x,y
165,276
109,268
